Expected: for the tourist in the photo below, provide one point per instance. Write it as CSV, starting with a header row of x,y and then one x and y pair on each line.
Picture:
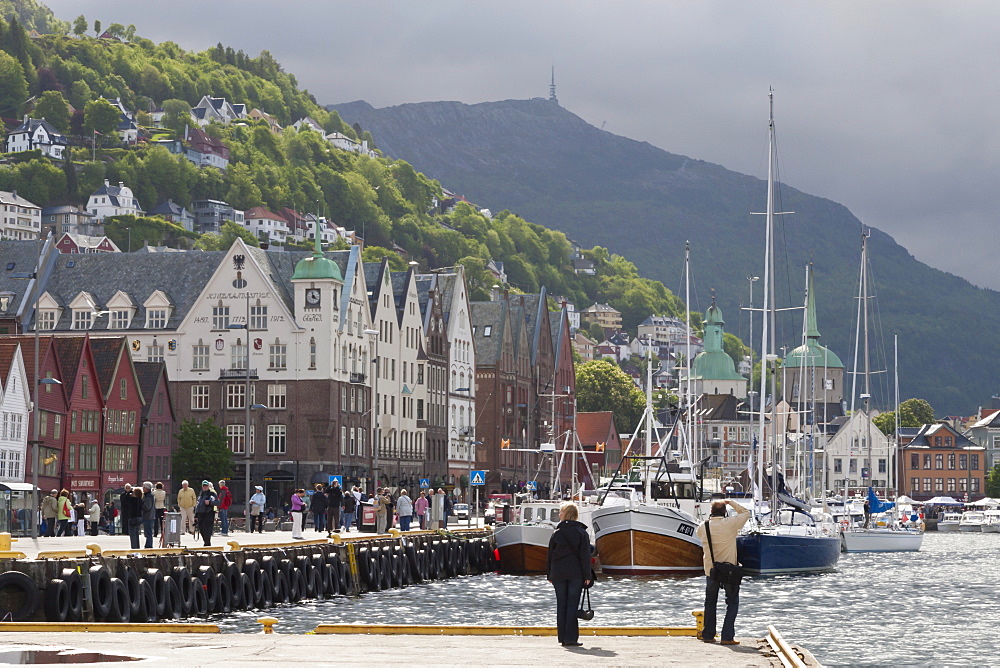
x,y
205,507
448,506
380,510
317,506
569,571
132,509
80,516
723,546
64,510
390,509
186,500
359,497
225,500
420,508
160,502
110,513
50,512
297,508
94,516
124,501
148,513
257,503
404,508
347,512
335,505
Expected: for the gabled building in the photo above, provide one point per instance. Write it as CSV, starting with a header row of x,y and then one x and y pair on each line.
x,y
20,220
210,214
109,200
727,425
157,438
121,413
36,134
939,461
308,124
128,130
72,244
217,109
601,445
607,317
266,225
14,412
174,213
856,454
271,121
58,220
205,150
985,432
436,352
82,464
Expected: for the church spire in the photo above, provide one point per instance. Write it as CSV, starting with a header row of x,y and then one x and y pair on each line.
x,y
812,330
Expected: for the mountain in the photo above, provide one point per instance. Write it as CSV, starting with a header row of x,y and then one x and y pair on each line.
x,y
549,166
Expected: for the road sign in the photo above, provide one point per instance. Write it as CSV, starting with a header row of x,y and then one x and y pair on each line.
x,y
533,485
478,478
338,478
425,483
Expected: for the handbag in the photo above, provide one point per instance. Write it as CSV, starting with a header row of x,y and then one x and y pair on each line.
x,y
722,571
582,612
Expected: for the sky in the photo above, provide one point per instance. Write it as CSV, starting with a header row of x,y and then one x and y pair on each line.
x,y
886,107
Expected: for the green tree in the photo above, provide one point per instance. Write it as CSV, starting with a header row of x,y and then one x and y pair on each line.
x,y
52,107
97,27
377,254
735,348
99,115
993,482
80,26
602,386
202,452
13,87
596,332
915,413
176,115
227,236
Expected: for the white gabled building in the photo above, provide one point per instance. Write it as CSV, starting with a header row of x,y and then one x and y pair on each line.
x,y
109,200
462,371
36,133
14,413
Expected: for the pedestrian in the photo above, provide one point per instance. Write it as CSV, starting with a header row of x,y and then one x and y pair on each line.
x,y
318,506
160,501
110,513
50,512
257,503
335,505
390,509
569,571
94,516
723,545
63,512
359,497
420,508
297,508
132,509
125,503
380,510
347,511
148,513
448,506
404,508
205,507
186,501
80,516
225,500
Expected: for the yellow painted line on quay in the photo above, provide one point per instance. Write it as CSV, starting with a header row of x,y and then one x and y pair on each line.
x,y
472,630
105,627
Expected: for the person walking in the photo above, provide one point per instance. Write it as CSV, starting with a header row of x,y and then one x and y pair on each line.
x,y
125,503
569,571
132,509
358,497
225,501
318,506
148,513
449,505
94,516
205,507
186,501
64,510
724,529
420,508
50,512
257,503
298,511
404,508
380,509
160,501
347,512
110,513
390,509
335,505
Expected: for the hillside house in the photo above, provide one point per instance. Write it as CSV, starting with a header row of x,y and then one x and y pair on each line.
x,y
21,220
71,244
266,225
204,150
58,220
217,109
174,213
109,200
210,214
36,134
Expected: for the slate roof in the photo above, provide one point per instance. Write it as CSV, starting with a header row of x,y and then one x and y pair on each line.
x,y
7,351
17,200
112,192
167,208
106,352
32,124
17,257
425,283
373,280
494,314
721,407
68,350
148,376
924,437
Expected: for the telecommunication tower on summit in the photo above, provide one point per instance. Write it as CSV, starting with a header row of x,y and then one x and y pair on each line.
x,y
552,87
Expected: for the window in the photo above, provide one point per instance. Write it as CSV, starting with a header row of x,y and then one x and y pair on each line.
x,y
853,466
156,318
927,485
882,464
238,355
118,458
312,353
200,354
963,462
914,461
276,439
951,485
154,353
123,390
927,461
278,356
975,485
939,484
119,319
56,426
951,461
353,441
361,442
420,409
276,396
420,374
975,462
47,320
235,437
915,484
939,461
258,317
236,396
343,440
220,317
88,457
83,319
84,386
487,330
199,398
838,465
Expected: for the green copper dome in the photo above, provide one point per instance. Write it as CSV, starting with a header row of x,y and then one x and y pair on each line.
x,y
713,363
318,267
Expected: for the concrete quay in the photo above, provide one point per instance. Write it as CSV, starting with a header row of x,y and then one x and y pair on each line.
x,y
367,650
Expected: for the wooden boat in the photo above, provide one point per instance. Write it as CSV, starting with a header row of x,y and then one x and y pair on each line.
x,y
523,545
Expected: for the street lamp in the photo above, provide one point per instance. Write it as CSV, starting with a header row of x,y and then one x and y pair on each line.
x,y
376,436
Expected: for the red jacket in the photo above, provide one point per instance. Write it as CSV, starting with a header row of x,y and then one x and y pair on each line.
x,y
225,498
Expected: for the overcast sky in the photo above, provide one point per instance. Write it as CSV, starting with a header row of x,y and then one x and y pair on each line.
x,y
887,107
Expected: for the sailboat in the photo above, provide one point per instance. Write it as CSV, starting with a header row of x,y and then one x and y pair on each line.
x,y
867,538
785,539
644,536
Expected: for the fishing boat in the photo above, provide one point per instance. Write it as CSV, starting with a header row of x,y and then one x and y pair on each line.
x,y
972,521
949,522
523,545
786,539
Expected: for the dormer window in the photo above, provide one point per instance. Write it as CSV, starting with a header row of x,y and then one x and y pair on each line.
x,y
158,310
47,320
83,319
156,318
120,319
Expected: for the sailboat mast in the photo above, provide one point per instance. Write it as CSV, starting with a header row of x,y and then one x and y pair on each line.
x,y
649,421
895,440
868,392
767,319
688,394
769,308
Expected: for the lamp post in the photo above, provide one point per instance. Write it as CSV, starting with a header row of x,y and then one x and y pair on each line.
x,y
376,436
246,423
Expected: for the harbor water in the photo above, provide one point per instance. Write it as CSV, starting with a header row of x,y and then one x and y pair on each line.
x,y
929,608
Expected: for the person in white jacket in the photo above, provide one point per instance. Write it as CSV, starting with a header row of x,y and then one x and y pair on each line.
x,y
404,508
257,504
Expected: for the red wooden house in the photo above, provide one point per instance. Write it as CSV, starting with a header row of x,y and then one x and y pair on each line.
x,y
82,464
157,436
122,413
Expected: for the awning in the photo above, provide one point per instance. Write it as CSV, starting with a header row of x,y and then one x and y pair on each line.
x,y
16,487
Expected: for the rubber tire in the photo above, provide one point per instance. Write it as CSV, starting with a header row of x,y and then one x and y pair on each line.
x,y
343,578
364,568
266,599
318,583
174,607
200,598
155,579
56,601
100,592
331,584
411,559
269,565
127,575
249,595
225,594
282,592
121,606
385,568
209,583
182,577
147,609
251,568
72,579
232,573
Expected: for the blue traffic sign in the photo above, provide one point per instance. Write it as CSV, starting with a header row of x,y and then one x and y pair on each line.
x,y
338,478
478,478
533,485
425,483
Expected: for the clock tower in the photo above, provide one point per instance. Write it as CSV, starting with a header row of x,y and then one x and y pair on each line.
x,y
318,282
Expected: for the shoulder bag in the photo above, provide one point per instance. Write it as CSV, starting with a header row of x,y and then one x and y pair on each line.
x,y
585,611
722,571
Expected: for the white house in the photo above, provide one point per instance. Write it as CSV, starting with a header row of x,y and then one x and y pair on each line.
x,y
128,130
109,200
14,413
20,220
266,225
847,454
327,232
217,109
36,133
462,360
309,124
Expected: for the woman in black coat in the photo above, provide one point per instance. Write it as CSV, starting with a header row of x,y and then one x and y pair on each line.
x,y
569,571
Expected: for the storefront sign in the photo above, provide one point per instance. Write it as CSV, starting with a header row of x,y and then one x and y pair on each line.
x,y
84,483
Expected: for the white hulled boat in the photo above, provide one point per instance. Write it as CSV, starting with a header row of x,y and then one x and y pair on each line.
x,y
991,521
972,521
523,545
949,522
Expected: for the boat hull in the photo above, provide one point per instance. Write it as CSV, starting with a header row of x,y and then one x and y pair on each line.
x,y
772,554
990,528
947,526
523,549
646,540
881,540
970,528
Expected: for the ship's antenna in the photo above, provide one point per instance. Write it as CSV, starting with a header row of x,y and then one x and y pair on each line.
x,y
552,87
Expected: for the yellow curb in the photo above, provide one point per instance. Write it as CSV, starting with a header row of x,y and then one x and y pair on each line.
x,y
461,630
102,627
152,550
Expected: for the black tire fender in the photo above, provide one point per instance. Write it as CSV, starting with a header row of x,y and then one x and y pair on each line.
x,y
56,601
200,597
72,579
155,579
121,605
100,591
147,610
225,593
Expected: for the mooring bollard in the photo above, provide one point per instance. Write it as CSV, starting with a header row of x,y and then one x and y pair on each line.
x,y
268,623
699,620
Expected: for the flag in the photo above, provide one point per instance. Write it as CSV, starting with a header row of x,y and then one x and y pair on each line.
x,y
98,133
504,443
599,447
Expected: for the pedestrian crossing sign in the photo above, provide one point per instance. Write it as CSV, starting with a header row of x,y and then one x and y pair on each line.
x,y
533,485
339,479
425,483
478,478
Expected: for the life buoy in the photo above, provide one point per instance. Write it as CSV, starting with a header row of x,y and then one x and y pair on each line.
x,y
225,593
155,579
147,611
56,601
174,607
127,575
200,606
121,606
251,568
249,595
100,591
267,592
75,586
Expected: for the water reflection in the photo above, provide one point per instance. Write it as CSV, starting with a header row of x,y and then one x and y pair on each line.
x,y
932,607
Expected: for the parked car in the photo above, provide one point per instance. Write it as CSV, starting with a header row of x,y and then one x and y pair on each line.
x,y
461,511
